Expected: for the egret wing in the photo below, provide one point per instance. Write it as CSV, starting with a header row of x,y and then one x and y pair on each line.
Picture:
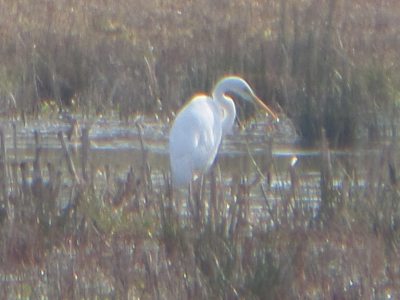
x,y
194,139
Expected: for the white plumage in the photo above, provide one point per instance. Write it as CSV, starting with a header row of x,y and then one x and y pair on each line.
x,y
200,126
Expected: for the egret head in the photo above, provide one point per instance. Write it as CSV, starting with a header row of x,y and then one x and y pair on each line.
x,y
238,86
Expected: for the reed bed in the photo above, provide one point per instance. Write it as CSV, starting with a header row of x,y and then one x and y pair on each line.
x,y
326,64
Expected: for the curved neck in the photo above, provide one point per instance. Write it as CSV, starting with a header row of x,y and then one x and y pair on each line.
x,y
228,109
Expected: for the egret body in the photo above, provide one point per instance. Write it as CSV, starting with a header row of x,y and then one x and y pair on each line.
x,y
200,126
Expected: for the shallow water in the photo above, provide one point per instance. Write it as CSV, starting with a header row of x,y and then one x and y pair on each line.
x,y
120,145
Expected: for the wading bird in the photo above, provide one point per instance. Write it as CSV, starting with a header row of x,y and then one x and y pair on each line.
x,y
201,124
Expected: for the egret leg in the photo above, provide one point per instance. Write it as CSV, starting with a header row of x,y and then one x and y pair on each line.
x,y
213,204
199,198
189,206
195,204
192,207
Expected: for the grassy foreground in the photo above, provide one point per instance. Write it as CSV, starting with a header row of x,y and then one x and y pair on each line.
x,y
84,233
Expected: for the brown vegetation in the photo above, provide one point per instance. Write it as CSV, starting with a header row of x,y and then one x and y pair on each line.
x,y
330,65
76,234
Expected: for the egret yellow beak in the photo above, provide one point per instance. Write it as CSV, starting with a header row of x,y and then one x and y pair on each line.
x,y
265,107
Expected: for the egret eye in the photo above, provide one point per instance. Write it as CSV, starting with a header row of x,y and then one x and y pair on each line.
x,y
246,92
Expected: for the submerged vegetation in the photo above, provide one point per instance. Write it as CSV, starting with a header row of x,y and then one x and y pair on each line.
x,y
75,232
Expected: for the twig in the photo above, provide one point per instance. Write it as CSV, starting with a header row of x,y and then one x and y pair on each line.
x,y
14,126
85,152
268,206
71,167
3,167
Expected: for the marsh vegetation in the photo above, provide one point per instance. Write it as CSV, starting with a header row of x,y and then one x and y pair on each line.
x,y
75,228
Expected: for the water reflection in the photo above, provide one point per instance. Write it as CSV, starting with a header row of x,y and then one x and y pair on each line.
x,y
242,155
119,144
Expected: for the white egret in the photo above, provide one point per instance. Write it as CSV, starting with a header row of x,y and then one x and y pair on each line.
x,y
201,124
